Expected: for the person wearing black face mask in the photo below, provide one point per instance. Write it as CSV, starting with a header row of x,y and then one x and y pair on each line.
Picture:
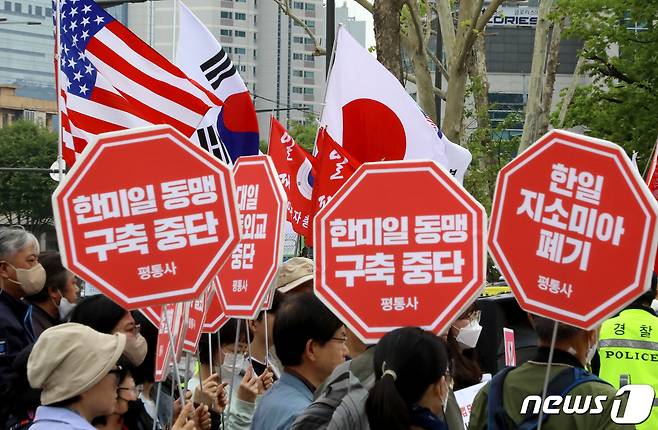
x,y
20,275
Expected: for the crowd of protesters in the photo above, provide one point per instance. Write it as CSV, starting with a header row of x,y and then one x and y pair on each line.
x,y
71,363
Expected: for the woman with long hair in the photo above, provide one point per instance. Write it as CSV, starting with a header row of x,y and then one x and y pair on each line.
x,y
413,380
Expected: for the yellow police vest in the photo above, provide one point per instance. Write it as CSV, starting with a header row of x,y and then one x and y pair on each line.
x,y
628,349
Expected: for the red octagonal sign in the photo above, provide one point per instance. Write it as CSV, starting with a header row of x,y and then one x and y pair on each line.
x,y
146,216
400,244
573,229
245,278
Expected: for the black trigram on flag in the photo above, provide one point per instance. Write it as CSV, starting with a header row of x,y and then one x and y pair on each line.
x,y
210,141
218,68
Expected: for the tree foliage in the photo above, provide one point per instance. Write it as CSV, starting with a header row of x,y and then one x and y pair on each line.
x,y
620,49
26,195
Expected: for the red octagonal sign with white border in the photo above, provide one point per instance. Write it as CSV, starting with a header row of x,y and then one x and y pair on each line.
x,y
573,229
146,216
400,244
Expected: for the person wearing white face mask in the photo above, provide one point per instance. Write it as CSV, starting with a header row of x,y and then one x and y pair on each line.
x,y
54,303
462,338
20,275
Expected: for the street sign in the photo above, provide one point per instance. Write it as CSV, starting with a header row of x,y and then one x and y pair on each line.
x,y
245,278
215,317
400,244
172,320
196,316
573,229
146,216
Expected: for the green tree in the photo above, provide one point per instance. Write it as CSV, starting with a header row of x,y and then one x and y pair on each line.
x,y
304,132
621,42
26,195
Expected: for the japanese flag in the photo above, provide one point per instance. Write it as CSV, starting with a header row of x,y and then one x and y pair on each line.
x,y
369,113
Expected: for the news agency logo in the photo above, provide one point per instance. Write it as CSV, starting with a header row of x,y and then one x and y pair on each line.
x,y
638,404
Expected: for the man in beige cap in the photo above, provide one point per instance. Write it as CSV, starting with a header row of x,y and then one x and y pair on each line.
x,y
295,274
76,369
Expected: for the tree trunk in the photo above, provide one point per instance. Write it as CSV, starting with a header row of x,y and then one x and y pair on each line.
x,y
534,105
414,44
566,100
478,73
447,29
458,74
551,71
386,19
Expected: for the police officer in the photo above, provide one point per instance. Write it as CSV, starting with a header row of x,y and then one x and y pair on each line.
x,y
628,348
499,404
20,275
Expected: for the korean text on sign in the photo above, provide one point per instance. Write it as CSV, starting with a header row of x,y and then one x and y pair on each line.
x,y
165,233
569,216
415,268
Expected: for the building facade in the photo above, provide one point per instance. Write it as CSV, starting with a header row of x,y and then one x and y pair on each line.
x,y
26,51
356,28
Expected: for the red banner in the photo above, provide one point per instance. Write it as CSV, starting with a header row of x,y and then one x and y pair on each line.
x,y
295,169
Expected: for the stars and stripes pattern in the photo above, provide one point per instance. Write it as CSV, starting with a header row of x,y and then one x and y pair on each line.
x,y
110,80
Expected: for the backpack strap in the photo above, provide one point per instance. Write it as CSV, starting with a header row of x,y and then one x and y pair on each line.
x,y
560,385
496,415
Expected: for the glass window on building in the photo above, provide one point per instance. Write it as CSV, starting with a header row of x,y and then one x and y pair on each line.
x,y
309,57
8,5
308,41
308,91
308,74
18,8
297,90
228,49
507,108
309,7
226,15
49,12
240,51
38,10
240,33
298,39
240,16
298,73
297,56
298,5
310,23
225,32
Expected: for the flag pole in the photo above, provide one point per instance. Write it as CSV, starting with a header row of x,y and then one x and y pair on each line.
x,y
58,88
173,31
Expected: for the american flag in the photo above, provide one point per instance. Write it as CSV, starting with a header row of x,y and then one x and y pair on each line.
x,y
111,80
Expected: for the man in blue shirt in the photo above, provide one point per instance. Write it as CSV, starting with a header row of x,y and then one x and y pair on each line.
x,y
310,342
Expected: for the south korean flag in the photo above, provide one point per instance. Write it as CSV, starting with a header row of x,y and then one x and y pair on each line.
x,y
230,130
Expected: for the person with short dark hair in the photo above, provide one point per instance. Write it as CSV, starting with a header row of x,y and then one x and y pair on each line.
x,y
56,300
502,399
414,379
76,369
310,342
628,348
